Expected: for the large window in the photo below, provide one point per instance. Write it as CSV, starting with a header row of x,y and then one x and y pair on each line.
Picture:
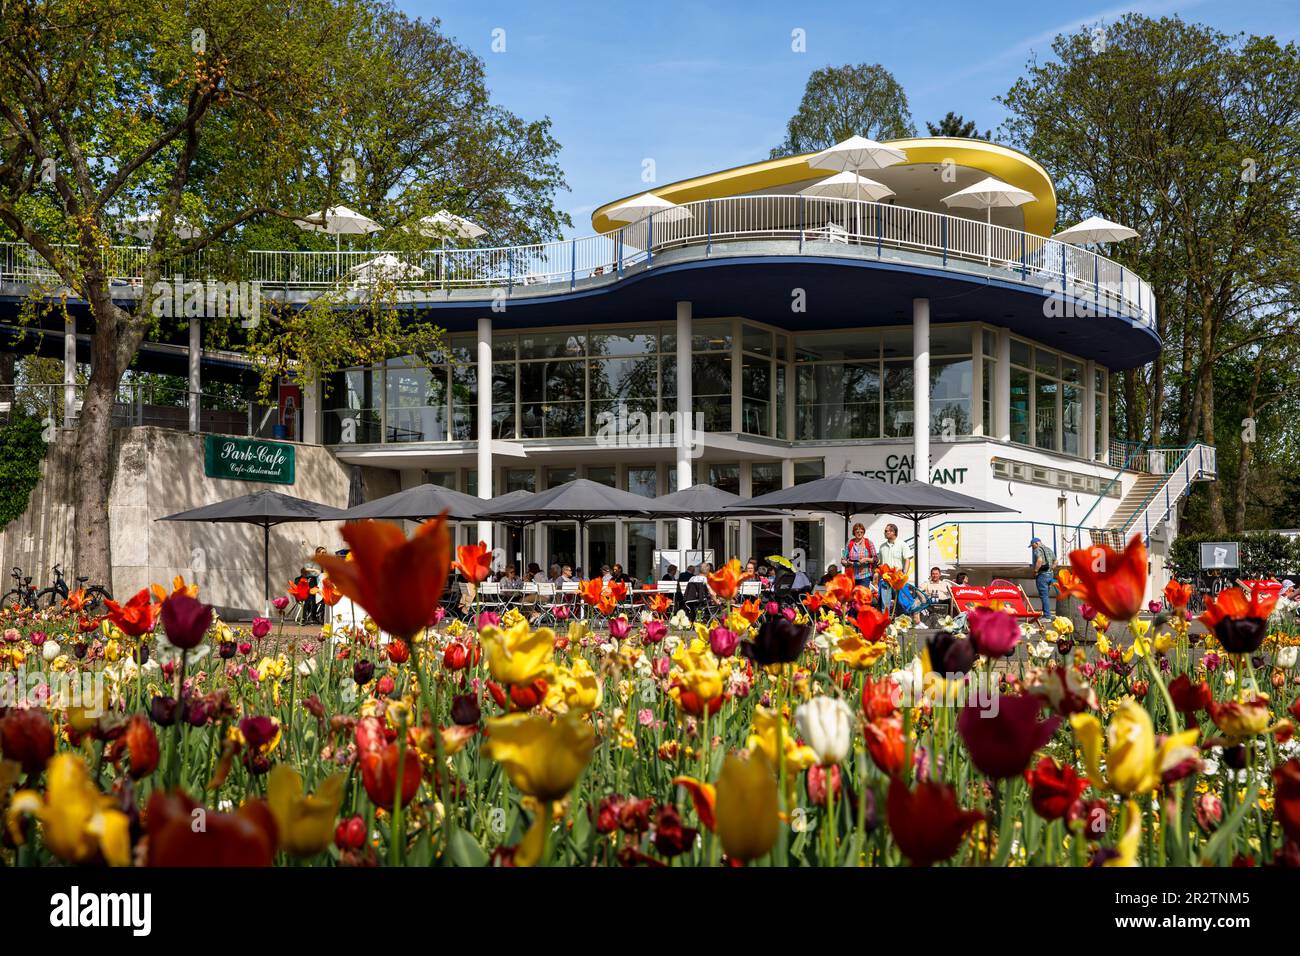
x,y
354,407
711,373
1047,399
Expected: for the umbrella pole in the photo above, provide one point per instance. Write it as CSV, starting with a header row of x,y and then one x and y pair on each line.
x,y
916,551
266,569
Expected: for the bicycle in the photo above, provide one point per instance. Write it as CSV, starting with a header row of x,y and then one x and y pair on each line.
x,y
58,592
22,594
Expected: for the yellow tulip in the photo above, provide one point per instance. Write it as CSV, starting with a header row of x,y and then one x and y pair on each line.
x,y
78,823
699,670
745,808
797,757
518,655
576,688
542,758
857,653
305,823
1133,761
1131,838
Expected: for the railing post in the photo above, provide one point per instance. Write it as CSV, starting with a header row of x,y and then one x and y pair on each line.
x,y
803,219
650,239
1024,258
880,228
573,264
510,273
1096,284
1122,301
620,251
708,228
943,232
1064,288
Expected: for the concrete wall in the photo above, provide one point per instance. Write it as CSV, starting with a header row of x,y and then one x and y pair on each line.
x,y
158,472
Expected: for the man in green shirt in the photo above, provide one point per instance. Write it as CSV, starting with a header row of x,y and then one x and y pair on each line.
x,y
1043,562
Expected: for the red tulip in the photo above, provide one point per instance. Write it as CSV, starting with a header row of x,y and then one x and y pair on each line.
x,y
135,617
1286,789
246,837
1177,594
871,623
1189,698
1053,789
927,824
141,743
350,834
1001,742
185,620
397,581
379,774
879,698
994,633
299,590
1239,624
1115,581
399,652
27,738
474,562
886,743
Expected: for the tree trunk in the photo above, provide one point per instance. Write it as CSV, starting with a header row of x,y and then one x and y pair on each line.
x,y
1247,450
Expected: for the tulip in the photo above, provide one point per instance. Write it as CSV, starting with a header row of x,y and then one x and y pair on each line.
x,y
1001,742
927,823
619,627
1053,789
1177,595
162,710
725,581
261,627
1240,719
826,723
397,581
886,743
134,618
456,657
519,655
78,823
1286,656
723,641
1115,581
362,672
1286,790
1209,811
50,651
379,774
779,641
398,651
948,655
871,623
304,823
879,698
672,837
542,758
246,837
27,738
245,648
385,686
745,806
1189,698
993,633
465,710
1134,762
474,562
1239,624
139,740
350,834
652,632
816,780
185,620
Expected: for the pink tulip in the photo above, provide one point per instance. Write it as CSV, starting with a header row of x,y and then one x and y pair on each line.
x,y
723,641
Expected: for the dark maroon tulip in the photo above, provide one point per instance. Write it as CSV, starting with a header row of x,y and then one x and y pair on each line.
x,y
226,650
465,710
163,710
1003,741
27,737
779,641
362,672
186,620
79,650
258,731
949,654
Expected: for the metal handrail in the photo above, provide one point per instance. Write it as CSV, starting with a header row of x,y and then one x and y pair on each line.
x,y
1058,529
819,226
1136,450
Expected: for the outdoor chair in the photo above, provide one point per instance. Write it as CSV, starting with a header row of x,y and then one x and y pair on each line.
x,y
750,588
546,605
696,598
1012,595
490,598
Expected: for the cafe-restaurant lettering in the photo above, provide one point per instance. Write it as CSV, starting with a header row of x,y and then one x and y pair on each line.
x,y
899,468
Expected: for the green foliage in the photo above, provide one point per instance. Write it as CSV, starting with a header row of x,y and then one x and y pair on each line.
x,y
954,124
22,448
843,101
1264,554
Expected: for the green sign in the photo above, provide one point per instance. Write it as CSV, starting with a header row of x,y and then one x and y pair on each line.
x,y
247,460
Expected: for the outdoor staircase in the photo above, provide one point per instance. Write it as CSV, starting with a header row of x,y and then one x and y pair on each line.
x,y
1167,476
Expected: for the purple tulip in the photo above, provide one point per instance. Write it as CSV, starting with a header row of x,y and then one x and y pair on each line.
x,y
261,627
994,633
186,620
723,641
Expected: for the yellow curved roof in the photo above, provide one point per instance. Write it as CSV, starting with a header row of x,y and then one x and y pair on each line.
x,y
1008,165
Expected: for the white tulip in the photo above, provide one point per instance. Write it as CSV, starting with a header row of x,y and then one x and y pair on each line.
x,y
826,723
1286,656
50,650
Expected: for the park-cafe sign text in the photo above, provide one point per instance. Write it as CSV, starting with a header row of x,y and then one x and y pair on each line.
x,y
248,460
898,469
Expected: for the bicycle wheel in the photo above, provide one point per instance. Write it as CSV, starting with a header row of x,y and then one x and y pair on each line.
x,y
95,598
48,597
12,600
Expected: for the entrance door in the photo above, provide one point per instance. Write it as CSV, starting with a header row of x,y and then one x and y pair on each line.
x,y
600,547
561,544
640,549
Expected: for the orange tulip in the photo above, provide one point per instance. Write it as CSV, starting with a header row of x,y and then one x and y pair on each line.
x,y
1069,585
299,590
1177,594
1115,581
660,603
474,562
813,602
591,591
329,594
894,577
725,581
397,581
617,590
134,618
76,601
872,623
704,797
750,610
840,588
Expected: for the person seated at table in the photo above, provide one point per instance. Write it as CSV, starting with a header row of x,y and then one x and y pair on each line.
x,y
509,577
616,573
832,571
685,576
566,575
671,573
552,575
938,590
961,580
751,568
534,569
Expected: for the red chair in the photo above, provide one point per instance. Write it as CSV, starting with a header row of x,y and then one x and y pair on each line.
x,y
1012,596
967,596
1264,587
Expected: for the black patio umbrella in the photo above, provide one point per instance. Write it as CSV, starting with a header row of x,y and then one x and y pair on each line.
x,y
579,501
264,509
703,503
419,504
850,493
511,499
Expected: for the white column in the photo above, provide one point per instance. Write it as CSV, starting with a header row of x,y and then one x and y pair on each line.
x,y
69,372
1002,388
1088,446
195,354
686,416
921,420
311,421
483,382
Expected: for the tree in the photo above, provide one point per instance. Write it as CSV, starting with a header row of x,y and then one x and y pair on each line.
x,y
954,124
1192,137
236,115
839,102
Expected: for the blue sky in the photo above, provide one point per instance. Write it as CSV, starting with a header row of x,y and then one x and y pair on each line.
x,y
698,87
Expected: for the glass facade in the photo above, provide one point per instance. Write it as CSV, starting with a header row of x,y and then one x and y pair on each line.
x,y
847,385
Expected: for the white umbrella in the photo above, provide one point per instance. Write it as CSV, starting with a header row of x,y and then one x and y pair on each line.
x,y
1095,229
338,221
848,185
854,155
145,225
986,194
443,223
385,266
647,204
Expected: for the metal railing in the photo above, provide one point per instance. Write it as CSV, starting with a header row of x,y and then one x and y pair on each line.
x,y
1009,549
816,226
1182,467
142,403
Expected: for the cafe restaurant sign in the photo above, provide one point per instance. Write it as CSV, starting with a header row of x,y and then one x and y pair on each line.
x,y
898,469
248,460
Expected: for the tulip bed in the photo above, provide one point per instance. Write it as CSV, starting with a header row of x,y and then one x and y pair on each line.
x,y
823,734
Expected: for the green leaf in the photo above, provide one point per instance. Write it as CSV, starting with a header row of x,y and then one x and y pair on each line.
x,y
465,851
